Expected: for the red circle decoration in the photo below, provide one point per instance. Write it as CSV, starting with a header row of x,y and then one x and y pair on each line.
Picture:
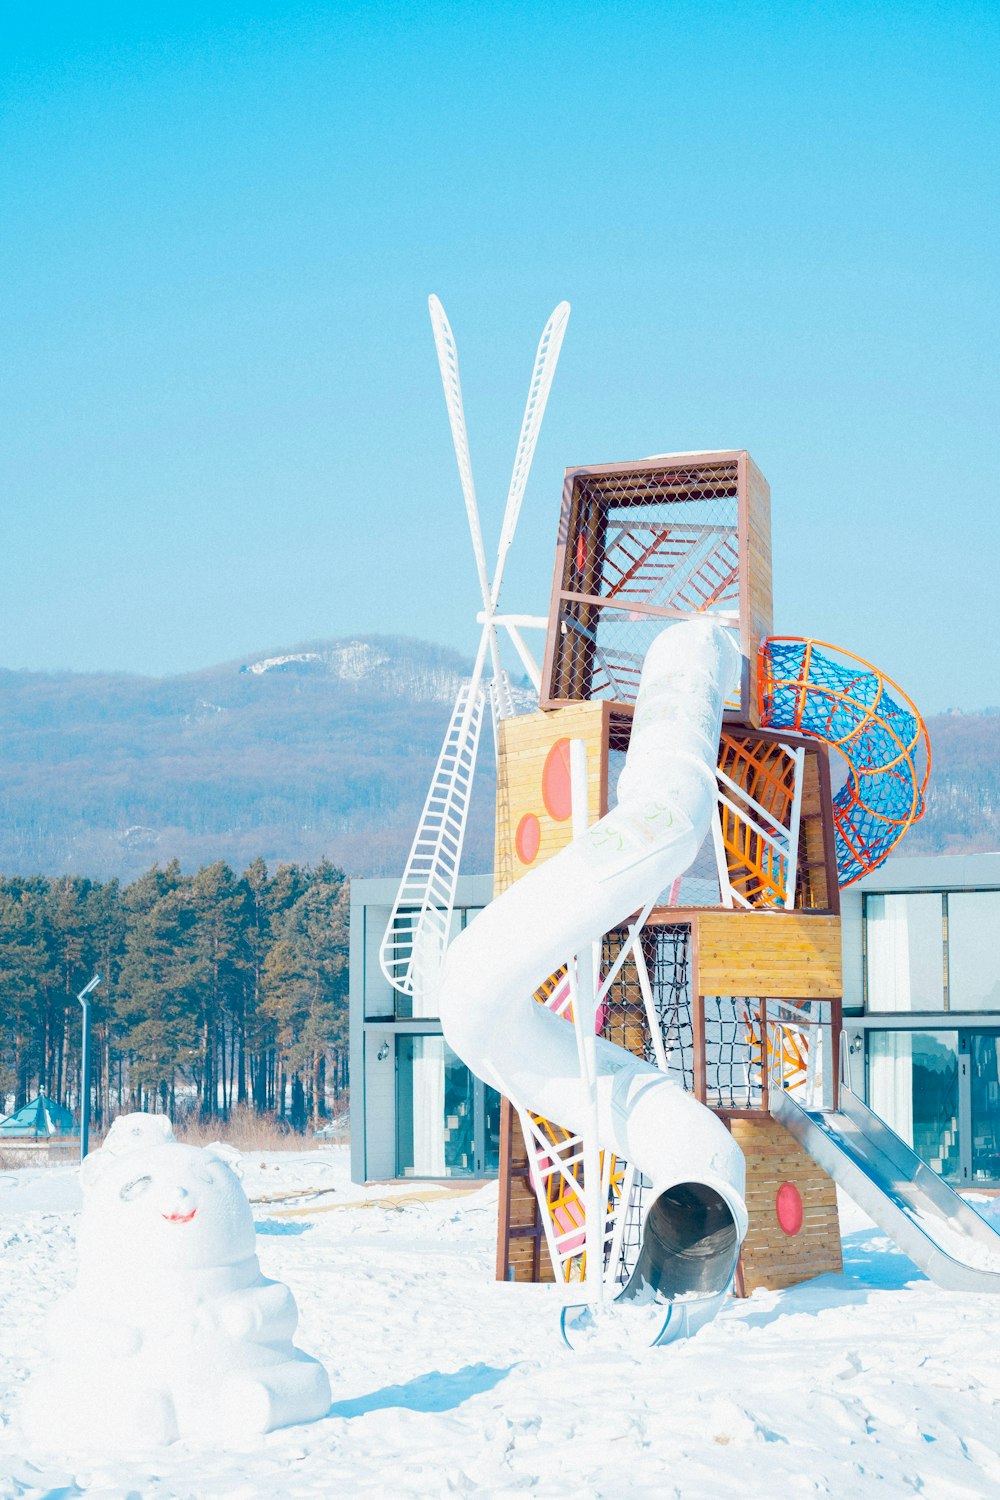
x,y
527,838
556,790
788,1207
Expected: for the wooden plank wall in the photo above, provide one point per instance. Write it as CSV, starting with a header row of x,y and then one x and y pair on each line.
x,y
522,1254
784,955
770,1257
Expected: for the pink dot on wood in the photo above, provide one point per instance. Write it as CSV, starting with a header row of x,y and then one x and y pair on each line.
x,y
557,792
527,838
788,1207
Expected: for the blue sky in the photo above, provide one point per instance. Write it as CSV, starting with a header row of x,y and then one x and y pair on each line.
x,y
221,426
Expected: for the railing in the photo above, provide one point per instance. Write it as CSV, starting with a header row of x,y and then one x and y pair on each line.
x,y
801,1053
819,1089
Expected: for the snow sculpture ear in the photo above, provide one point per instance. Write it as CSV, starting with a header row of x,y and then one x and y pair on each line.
x,y
130,1132
228,1155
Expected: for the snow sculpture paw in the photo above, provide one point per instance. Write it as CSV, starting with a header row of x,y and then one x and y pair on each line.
x,y
171,1331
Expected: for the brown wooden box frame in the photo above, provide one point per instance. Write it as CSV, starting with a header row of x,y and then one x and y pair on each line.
x,y
749,639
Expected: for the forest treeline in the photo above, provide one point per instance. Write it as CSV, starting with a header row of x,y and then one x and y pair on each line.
x,y
217,990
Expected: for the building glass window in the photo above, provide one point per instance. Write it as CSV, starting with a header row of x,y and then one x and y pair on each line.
x,y
379,995
904,946
984,1072
913,1085
491,1116
974,950
441,1108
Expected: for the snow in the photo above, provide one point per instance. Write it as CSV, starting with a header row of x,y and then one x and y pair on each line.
x,y
954,1241
270,663
875,1383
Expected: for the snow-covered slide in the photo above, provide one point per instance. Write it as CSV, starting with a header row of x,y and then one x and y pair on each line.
x,y
938,1230
666,795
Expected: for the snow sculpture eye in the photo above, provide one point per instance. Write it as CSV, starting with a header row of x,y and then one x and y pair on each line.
x,y
134,1188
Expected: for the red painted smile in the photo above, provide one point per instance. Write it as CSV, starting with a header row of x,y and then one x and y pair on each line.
x,y
180,1218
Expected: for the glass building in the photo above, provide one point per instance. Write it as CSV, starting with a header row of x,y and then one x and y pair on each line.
x,y
922,1007
416,1110
921,940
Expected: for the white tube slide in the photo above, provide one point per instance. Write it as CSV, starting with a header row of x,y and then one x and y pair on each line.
x,y
666,798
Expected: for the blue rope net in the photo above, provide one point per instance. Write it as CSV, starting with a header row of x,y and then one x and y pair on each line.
x,y
848,705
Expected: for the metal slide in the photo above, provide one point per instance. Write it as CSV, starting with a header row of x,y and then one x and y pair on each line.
x,y
938,1230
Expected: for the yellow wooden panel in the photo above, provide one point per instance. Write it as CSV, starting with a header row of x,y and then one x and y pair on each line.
x,y
789,955
525,743
813,885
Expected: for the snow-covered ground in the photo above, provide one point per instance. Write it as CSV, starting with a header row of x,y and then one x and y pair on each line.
x,y
874,1383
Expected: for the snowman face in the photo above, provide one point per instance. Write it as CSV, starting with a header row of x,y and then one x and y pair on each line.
x,y
164,1206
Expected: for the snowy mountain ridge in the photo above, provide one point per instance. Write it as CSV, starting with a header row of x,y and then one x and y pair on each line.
x,y
318,749
360,661
321,749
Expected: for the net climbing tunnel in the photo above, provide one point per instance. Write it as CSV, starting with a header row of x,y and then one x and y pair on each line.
x,y
815,689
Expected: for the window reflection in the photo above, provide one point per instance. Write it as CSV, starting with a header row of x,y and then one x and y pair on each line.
x,y
440,1106
974,950
985,1106
905,951
913,1085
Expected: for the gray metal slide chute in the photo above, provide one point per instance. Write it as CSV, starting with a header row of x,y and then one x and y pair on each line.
x,y
937,1229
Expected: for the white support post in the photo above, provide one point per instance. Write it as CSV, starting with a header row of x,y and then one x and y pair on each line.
x,y
794,822
584,986
721,862
528,662
649,1004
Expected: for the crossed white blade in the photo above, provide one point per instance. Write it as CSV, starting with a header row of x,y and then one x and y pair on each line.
x,y
417,934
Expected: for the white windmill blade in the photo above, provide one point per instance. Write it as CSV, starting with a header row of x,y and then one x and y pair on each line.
x,y
546,359
419,926
447,353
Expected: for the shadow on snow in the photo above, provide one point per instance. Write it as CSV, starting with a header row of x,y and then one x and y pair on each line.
x,y
871,1264
429,1393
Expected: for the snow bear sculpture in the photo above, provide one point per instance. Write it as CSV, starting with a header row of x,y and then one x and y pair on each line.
x,y
171,1331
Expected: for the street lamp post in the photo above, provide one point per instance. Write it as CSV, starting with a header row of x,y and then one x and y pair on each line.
x,y
84,999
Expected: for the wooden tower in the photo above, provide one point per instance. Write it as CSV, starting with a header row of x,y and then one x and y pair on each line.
x,y
742,958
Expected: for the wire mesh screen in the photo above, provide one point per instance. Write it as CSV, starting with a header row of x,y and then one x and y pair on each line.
x,y
642,547
732,1052
667,952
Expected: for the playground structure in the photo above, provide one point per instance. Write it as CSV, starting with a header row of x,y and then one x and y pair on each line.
x,y
718,967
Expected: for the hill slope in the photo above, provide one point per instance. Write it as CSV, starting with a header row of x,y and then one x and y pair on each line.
x,y
963,795
324,749
321,750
